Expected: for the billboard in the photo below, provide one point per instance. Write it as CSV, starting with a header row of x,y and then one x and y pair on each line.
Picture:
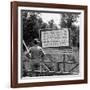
x,y
55,38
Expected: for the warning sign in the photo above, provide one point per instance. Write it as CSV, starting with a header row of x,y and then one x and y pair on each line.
x,y
55,38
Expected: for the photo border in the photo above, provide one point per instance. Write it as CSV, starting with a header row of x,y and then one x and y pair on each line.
x,y
14,43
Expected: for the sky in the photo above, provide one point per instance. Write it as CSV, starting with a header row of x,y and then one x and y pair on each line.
x,y
49,16
56,17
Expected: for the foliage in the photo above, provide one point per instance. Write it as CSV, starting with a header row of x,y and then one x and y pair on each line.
x,y
51,24
31,25
68,20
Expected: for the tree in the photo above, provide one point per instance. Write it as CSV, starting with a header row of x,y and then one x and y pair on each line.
x,y
31,25
51,24
75,35
68,20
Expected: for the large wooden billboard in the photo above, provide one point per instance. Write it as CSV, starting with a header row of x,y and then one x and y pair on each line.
x,y
55,38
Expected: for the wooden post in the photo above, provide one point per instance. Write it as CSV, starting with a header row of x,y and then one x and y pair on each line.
x,y
26,48
63,62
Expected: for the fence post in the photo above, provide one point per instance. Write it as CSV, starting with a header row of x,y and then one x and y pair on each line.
x,y
63,62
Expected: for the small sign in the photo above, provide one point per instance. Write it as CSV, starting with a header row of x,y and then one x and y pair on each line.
x,y
58,51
